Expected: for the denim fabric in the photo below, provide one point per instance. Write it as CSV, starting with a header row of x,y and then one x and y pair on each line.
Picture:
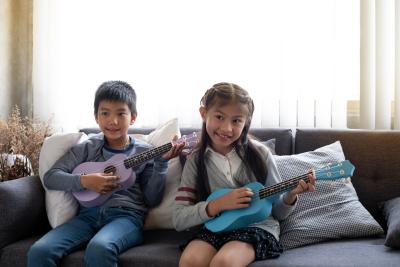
x,y
105,231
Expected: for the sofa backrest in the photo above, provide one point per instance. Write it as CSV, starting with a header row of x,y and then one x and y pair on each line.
x,y
283,137
375,154
283,143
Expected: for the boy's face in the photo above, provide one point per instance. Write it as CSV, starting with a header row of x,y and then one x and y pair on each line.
x,y
114,119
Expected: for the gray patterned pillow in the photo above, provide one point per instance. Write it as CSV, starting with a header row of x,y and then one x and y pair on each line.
x,y
333,211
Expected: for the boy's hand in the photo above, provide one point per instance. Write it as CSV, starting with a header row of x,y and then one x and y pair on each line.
x,y
236,199
175,150
101,183
302,187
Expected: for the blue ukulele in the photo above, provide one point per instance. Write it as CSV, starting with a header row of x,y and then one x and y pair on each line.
x,y
263,198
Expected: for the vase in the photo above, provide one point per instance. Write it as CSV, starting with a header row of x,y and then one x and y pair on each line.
x,y
14,166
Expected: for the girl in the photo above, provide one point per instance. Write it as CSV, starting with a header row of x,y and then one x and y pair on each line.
x,y
227,157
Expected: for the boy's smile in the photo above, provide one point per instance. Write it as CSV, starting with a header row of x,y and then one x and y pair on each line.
x,y
114,119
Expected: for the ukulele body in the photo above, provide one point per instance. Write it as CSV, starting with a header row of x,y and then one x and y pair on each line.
x,y
89,198
228,220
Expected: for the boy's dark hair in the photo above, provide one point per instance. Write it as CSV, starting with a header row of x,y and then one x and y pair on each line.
x,y
118,91
221,94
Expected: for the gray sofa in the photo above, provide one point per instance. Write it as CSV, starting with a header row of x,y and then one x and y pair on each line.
x,y
375,154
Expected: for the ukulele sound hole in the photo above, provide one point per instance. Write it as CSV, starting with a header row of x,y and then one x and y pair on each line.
x,y
110,169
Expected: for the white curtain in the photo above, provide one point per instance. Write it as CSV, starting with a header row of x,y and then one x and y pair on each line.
x,y
15,57
299,60
396,123
380,64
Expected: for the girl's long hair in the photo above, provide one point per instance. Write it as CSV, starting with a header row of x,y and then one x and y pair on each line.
x,y
222,94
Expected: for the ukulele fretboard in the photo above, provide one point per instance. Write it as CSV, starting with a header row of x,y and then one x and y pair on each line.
x,y
146,155
283,186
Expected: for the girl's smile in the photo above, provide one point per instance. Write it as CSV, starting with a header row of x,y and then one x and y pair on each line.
x,y
223,136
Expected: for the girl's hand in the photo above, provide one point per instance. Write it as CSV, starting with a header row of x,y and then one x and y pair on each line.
x,y
175,150
236,199
101,183
302,187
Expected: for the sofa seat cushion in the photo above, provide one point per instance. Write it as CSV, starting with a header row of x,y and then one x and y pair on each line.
x,y
161,248
346,252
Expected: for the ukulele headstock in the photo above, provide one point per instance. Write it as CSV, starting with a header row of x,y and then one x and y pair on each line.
x,y
190,140
339,170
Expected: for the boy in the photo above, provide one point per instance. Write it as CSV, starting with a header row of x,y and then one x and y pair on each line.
x,y
116,225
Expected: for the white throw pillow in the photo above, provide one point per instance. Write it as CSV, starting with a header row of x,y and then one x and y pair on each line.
x,y
162,134
60,205
160,217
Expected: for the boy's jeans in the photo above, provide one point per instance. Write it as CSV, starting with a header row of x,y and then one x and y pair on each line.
x,y
107,232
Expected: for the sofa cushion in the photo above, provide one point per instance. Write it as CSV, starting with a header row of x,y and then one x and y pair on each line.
x,y
391,210
161,249
283,138
22,210
162,134
365,252
332,211
271,145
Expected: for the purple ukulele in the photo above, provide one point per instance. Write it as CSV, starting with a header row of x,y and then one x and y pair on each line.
x,y
121,166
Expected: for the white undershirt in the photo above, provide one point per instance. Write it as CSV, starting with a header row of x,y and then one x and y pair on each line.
x,y
227,164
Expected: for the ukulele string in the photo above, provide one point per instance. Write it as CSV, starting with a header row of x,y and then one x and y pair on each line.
x,y
303,176
137,159
286,184
291,183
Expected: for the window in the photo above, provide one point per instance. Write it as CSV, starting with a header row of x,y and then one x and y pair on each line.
x,y
299,60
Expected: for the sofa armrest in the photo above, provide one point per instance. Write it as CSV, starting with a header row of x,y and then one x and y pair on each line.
x,y
22,209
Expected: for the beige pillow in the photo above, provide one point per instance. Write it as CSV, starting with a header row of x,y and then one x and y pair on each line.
x,y
60,205
160,217
162,134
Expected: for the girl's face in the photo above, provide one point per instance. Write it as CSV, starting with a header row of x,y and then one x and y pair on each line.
x,y
224,125
114,119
